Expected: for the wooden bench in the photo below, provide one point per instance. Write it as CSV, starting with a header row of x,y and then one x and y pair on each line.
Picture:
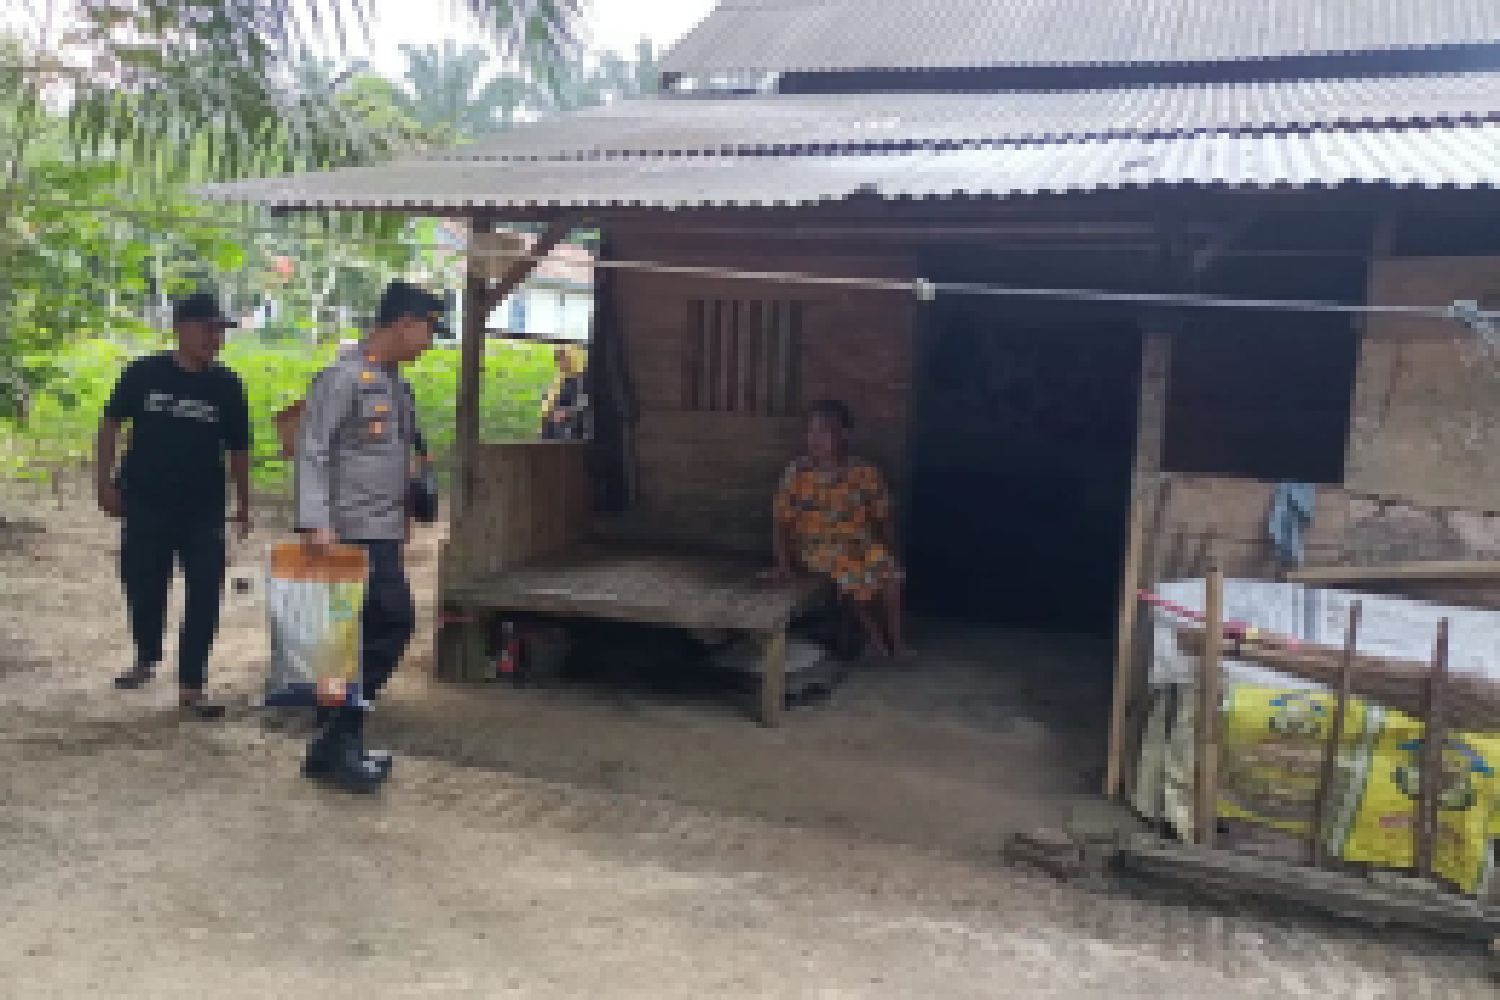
x,y
679,590
526,548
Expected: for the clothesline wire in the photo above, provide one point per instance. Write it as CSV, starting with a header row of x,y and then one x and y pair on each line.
x,y
1486,323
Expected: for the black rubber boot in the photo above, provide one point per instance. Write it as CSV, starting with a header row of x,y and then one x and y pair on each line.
x,y
344,752
320,752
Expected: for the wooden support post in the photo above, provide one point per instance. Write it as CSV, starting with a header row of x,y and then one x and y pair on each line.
x,y
1206,732
1323,809
1430,776
1125,646
470,375
773,679
473,638
1146,493
479,301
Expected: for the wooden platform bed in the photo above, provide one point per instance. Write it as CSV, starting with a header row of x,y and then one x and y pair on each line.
x,y
528,550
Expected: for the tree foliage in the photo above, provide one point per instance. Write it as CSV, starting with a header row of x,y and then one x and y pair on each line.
x,y
456,92
108,106
219,78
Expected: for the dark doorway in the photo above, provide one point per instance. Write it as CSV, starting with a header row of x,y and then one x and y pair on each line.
x,y
1023,445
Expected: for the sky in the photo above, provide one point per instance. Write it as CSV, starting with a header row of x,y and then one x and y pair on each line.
x,y
611,24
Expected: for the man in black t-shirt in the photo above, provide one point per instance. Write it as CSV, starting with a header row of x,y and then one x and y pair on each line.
x,y
186,411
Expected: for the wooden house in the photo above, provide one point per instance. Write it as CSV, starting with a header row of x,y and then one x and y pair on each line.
x,y
1055,257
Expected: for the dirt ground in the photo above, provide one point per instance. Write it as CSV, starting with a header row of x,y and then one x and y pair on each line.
x,y
142,855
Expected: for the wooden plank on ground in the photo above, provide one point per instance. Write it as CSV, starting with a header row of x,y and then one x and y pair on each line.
x,y
1381,902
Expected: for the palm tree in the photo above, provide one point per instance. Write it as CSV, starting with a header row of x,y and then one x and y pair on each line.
x,y
166,91
450,90
183,89
611,77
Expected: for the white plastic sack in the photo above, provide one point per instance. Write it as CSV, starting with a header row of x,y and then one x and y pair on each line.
x,y
314,605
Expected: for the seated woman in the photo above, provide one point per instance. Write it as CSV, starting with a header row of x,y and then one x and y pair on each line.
x,y
833,518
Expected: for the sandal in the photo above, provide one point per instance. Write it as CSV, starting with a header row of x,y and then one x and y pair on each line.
x,y
137,676
199,706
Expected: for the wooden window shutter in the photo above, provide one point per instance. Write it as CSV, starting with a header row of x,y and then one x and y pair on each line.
x,y
743,356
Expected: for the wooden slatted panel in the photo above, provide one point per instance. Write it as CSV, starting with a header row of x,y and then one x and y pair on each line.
x,y
742,356
728,348
693,355
787,369
755,356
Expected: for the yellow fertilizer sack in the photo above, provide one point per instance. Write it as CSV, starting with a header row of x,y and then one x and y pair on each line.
x,y
1382,829
314,605
1271,757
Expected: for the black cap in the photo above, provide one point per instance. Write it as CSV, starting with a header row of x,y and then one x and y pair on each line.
x,y
402,299
200,307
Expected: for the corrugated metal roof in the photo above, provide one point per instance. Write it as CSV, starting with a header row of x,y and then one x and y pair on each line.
x,y
1460,157
811,35
667,126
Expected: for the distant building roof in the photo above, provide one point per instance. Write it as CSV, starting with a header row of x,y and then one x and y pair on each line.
x,y
683,126
568,264
832,35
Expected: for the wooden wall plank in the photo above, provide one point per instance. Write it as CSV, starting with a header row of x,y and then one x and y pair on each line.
x,y
532,498
1427,402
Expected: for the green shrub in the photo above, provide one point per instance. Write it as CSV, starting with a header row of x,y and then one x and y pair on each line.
x,y
65,413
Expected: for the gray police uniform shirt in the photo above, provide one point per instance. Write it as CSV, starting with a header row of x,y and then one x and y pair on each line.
x,y
354,451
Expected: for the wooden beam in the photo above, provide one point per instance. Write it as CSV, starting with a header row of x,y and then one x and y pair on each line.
x,y
551,237
1206,731
1220,243
1146,492
1472,701
1436,571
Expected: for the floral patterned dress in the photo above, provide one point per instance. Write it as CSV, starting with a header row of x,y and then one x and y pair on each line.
x,y
832,516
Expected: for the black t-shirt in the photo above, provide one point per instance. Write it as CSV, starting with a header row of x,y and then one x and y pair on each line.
x,y
181,423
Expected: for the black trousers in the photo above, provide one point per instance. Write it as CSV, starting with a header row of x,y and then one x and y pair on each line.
x,y
389,617
151,542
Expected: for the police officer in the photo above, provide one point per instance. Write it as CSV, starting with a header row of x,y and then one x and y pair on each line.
x,y
355,448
